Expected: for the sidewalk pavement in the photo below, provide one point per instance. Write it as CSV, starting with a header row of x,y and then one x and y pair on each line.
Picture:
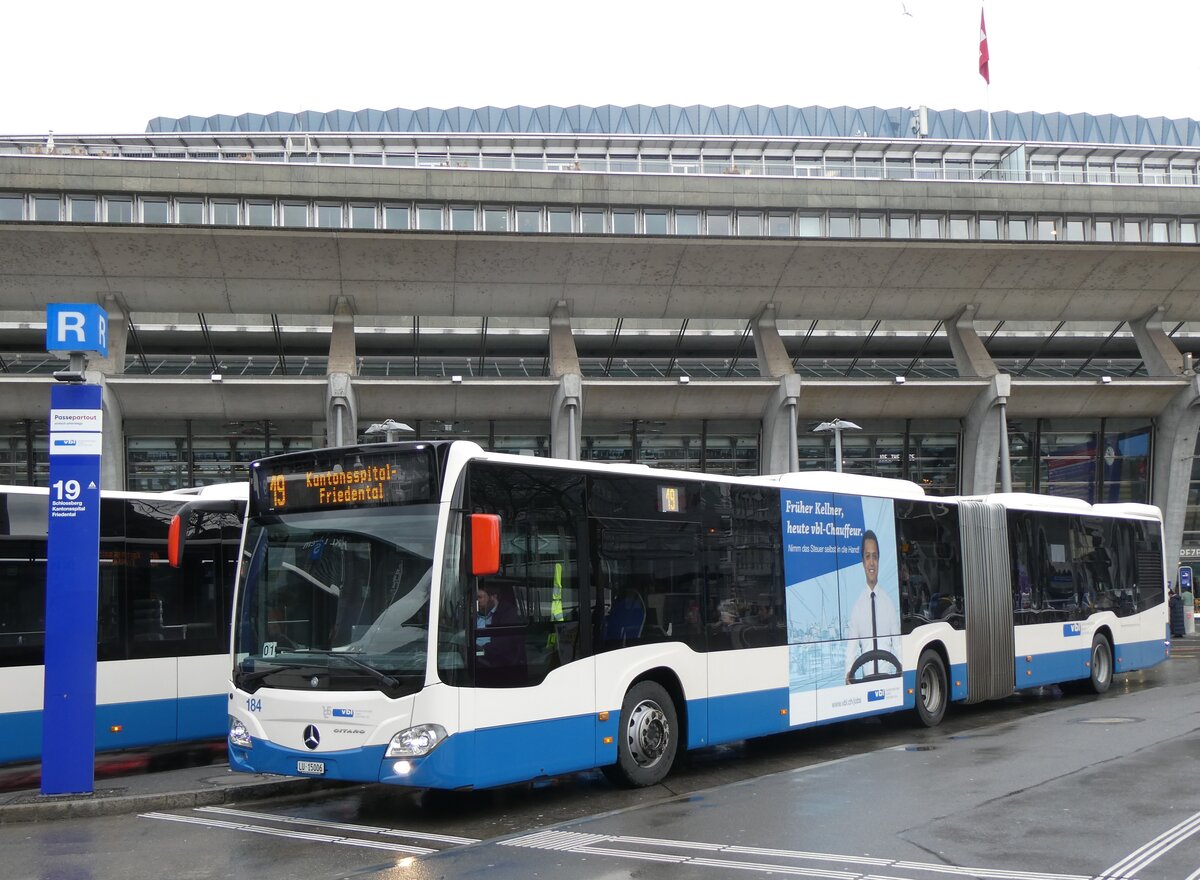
x,y
166,790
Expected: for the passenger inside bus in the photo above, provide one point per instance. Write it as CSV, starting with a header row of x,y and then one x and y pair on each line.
x,y
499,637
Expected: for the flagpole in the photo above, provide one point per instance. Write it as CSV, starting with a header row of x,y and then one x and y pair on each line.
x,y
983,69
987,91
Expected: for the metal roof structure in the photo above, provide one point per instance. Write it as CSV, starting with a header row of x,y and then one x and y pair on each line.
x,y
697,120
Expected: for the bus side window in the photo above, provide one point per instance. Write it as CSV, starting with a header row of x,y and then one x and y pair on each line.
x,y
23,574
525,618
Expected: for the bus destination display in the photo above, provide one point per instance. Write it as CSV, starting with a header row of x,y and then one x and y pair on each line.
x,y
359,481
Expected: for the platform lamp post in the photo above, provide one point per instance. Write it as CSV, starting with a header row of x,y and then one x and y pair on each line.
x,y
836,426
390,428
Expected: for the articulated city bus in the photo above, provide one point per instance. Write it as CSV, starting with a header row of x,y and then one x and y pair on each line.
x,y
162,633
433,615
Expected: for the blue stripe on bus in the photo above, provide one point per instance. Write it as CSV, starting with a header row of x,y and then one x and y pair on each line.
x,y
499,755
142,723
1060,666
483,758
1140,655
742,716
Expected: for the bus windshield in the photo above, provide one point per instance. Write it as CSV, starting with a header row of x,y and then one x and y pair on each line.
x,y
336,600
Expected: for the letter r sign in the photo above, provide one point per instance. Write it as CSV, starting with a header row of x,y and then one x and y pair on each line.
x,y
76,327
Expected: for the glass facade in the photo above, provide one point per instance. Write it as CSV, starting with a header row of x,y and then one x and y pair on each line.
x,y
707,445
24,453
161,456
1095,460
921,450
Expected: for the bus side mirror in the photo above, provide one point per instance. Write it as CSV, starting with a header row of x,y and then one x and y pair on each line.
x,y
181,523
485,543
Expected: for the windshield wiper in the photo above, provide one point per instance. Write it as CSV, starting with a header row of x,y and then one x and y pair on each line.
x,y
381,677
252,675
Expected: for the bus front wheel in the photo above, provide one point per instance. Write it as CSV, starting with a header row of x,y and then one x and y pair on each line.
x,y
933,691
647,738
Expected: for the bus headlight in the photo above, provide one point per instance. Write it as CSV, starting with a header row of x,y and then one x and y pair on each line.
x,y
416,741
238,735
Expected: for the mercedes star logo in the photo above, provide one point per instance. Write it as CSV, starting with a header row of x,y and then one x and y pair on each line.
x,y
312,736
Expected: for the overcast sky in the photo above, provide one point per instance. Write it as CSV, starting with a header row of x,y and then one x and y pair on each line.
x,y
76,67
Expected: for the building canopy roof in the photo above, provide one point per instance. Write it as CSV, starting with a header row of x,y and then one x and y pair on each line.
x,y
697,120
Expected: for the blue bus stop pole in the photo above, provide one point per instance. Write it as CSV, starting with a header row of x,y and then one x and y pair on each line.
x,y
72,555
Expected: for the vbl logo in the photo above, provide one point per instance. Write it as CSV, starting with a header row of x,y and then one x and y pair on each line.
x,y
1072,629
875,696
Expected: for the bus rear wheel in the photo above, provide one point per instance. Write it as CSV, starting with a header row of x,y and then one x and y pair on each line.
x,y
647,738
933,691
1102,666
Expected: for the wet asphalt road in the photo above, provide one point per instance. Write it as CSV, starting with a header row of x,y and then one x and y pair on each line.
x,y
1051,785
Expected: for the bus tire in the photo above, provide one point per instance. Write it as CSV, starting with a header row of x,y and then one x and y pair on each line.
x,y
932,691
1101,665
647,737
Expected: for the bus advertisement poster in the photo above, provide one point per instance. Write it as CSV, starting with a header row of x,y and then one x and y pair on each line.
x,y
843,605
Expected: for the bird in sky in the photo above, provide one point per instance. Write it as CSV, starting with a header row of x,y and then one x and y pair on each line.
x,y
904,11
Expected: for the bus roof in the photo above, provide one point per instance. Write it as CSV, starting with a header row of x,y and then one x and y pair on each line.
x,y
1056,503
854,484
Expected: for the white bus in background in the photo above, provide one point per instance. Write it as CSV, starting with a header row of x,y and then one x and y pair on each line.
x,y
162,632
429,614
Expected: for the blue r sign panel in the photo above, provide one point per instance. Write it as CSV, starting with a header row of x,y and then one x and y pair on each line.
x,y
76,327
72,571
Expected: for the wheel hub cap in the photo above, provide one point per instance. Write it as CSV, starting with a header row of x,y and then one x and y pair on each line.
x,y
649,733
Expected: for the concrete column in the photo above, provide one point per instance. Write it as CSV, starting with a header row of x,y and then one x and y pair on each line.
x,y
773,359
564,358
112,439
1156,348
982,435
341,412
343,356
566,417
118,341
1174,446
971,358
779,454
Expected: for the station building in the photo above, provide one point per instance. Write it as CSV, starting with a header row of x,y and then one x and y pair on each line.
x,y
691,287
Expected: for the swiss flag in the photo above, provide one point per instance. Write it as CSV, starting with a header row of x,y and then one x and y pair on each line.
x,y
983,50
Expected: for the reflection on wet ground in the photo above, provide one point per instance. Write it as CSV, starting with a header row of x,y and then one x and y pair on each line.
x,y
116,765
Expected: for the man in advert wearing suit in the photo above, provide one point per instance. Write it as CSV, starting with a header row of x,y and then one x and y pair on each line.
x,y
874,612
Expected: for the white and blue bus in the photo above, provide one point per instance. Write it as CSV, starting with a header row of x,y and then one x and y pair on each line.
x,y
433,615
162,633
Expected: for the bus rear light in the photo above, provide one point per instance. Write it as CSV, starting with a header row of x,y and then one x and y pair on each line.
x,y
416,741
174,557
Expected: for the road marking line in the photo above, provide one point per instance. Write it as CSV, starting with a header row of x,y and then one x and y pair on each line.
x,y
993,873
295,835
1147,853
605,844
775,869
817,857
340,826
